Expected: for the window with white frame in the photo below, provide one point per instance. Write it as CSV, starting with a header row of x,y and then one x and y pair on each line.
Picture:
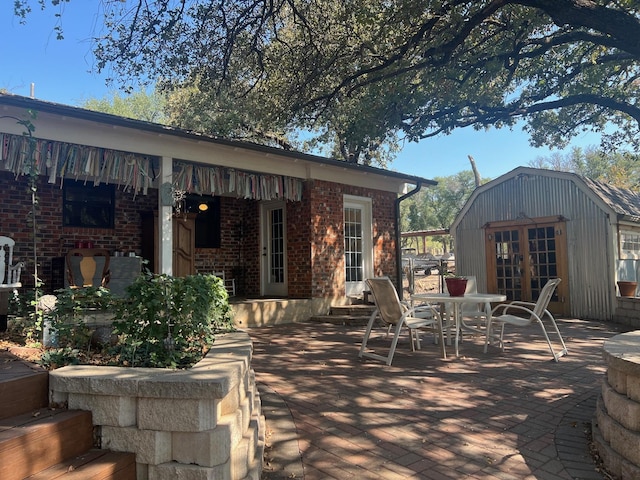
x,y
629,244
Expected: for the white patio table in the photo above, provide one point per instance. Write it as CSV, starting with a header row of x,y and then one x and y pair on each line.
x,y
485,298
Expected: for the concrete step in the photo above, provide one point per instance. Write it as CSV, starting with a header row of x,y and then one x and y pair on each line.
x,y
353,310
340,319
357,315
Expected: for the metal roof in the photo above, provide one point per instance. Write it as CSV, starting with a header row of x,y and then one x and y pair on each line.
x,y
623,202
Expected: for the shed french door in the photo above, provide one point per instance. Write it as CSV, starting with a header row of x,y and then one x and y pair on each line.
x,y
274,249
521,258
358,243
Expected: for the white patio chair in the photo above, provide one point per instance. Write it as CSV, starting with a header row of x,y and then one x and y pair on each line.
x,y
396,315
229,283
522,314
9,273
9,277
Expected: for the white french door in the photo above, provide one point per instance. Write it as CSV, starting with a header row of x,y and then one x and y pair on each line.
x,y
358,243
274,249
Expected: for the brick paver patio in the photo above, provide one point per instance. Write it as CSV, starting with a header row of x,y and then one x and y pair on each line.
x,y
516,415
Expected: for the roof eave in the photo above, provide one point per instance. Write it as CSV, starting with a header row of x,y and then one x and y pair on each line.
x,y
114,120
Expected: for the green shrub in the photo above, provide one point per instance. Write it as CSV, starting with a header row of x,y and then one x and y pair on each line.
x,y
66,323
170,321
59,357
26,321
72,301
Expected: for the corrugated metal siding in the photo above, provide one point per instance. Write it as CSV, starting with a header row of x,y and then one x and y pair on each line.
x,y
588,236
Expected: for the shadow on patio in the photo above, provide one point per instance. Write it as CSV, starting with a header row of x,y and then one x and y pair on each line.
x,y
516,415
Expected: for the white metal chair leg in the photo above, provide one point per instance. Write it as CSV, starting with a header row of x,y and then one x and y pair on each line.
x,y
556,356
394,343
372,320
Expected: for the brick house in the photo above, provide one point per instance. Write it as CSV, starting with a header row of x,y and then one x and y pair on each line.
x,y
300,230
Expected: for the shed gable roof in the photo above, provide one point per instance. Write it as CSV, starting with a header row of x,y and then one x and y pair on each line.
x,y
622,202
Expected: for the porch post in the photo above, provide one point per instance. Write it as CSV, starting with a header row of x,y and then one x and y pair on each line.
x,y
165,219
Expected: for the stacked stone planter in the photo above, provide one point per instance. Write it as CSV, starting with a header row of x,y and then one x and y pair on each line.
x,y
616,427
628,312
201,423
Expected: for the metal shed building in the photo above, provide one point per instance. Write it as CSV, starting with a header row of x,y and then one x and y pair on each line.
x,y
530,225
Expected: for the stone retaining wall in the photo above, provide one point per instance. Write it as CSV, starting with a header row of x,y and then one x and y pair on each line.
x,y
201,423
628,311
616,427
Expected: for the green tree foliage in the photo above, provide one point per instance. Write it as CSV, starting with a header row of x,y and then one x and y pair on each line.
x,y
620,169
442,203
138,105
436,207
225,112
361,75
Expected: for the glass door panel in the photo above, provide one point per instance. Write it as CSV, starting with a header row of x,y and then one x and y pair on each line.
x,y
274,261
522,258
353,245
358,243
508,263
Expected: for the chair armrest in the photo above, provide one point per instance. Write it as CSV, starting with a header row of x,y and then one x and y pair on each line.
x,y
523,303
511,306
516,304
422,311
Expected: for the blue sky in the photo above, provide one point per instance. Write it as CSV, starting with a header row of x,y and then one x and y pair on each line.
x,y
61,72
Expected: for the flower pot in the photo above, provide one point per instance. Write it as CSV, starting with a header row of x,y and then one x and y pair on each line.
x,y
627,289
456,286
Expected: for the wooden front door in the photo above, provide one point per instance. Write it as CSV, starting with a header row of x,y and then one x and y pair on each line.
x,y
183,243
184,246
523,256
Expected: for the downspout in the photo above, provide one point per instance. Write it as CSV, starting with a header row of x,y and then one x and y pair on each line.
x,y
399,238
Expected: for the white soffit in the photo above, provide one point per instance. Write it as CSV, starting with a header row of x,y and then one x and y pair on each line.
x,y
69,129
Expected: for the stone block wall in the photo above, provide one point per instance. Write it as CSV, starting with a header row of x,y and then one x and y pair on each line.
x,y
616,427
204,422
628,312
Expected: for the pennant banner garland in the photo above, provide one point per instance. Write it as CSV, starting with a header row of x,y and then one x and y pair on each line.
x,y
219,180
59,160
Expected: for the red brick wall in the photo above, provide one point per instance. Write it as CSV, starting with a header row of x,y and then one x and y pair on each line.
x,y
239,244
384,235
299,246
314,235
53,239
327,235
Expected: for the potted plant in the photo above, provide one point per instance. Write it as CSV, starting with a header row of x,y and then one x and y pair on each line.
x,y
456,285
627,288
